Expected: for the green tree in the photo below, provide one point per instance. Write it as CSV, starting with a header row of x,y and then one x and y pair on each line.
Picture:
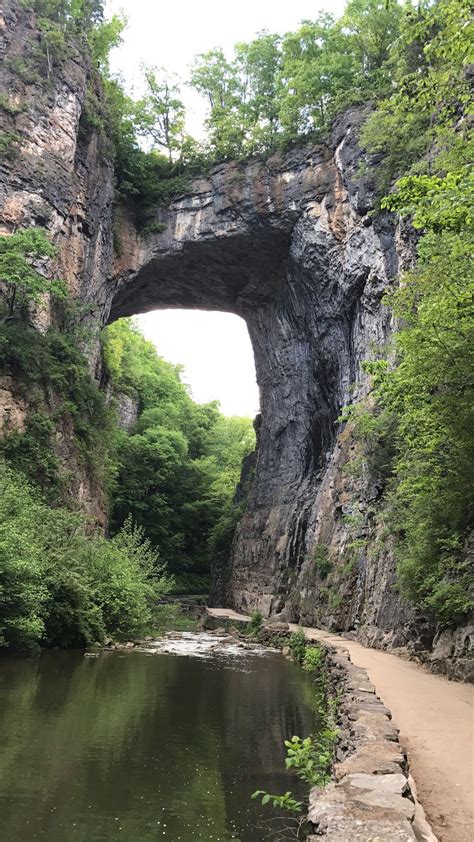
x,y
423,117
313,62
160,115
179,466
20,282
259,63
62,582
218,80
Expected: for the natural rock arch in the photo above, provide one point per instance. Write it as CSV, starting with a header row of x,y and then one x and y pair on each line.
x,y
290,246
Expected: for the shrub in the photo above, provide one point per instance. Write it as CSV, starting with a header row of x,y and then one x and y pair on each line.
x,y
51,372
63,584
311,757
297,645
255,624
314,658
335,601
22,588
322,561
9,145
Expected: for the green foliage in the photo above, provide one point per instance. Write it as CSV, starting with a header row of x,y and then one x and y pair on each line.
x,y
314,659
53,376
26,71
159,116
278,89
310,759
172,617
178,467
9,145
190,582
335,600
154,228
20,282
297,646
64,584
255,624
10,107
426,399
282,802
322,562
430,89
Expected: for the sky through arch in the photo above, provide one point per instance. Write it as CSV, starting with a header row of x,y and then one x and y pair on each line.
x,y
216,353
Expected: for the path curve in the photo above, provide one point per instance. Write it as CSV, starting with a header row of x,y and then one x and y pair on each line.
x,y
436,721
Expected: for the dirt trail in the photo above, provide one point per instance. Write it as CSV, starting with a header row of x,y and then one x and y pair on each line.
x,y
436,721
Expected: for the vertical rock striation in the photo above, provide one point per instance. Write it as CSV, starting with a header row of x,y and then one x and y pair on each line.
x,y
291,246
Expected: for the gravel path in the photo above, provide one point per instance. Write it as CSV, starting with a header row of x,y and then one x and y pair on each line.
x,y
436,721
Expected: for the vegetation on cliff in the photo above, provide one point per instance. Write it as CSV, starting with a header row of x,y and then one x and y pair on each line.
x,y
425,134
170,481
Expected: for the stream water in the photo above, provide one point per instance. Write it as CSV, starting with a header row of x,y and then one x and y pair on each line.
x,y
166,744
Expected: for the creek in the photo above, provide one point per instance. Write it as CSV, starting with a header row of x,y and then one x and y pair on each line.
x,y
164,743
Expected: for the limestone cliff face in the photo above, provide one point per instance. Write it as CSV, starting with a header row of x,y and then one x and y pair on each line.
x,y
54,173
290,245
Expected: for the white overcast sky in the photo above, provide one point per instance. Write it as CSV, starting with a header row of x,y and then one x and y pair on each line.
x,y
213,347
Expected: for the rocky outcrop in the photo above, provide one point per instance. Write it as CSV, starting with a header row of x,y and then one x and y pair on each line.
x,y
290,244
56,173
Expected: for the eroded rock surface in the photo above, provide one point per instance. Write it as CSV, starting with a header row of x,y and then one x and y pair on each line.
x,y
290,246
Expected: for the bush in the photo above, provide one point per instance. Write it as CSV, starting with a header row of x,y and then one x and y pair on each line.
x,y
22,588
297,645
314,658
62,584
53,376
256,622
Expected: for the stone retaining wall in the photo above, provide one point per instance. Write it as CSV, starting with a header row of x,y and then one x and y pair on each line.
x,y
371,798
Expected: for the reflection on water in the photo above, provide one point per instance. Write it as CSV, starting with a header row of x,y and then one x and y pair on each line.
x,y
142,747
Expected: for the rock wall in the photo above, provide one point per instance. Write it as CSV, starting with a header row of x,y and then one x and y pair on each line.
x,y
56,173
292,246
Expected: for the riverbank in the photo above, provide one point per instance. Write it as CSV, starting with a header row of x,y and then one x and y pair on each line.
x,y
435,718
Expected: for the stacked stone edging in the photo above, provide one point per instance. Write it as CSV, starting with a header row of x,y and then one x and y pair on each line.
x,y
371,798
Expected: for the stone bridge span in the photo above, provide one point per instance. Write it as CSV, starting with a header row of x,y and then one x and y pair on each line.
x,y
290,246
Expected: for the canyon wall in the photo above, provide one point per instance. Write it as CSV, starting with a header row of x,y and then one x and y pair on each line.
x,y
294,246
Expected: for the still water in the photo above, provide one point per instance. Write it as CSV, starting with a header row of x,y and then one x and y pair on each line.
x,y
146,746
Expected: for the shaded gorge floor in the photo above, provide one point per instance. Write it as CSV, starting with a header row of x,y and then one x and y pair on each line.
x,y
148,745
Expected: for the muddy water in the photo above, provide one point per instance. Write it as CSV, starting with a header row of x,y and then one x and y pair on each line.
x,y
167,743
